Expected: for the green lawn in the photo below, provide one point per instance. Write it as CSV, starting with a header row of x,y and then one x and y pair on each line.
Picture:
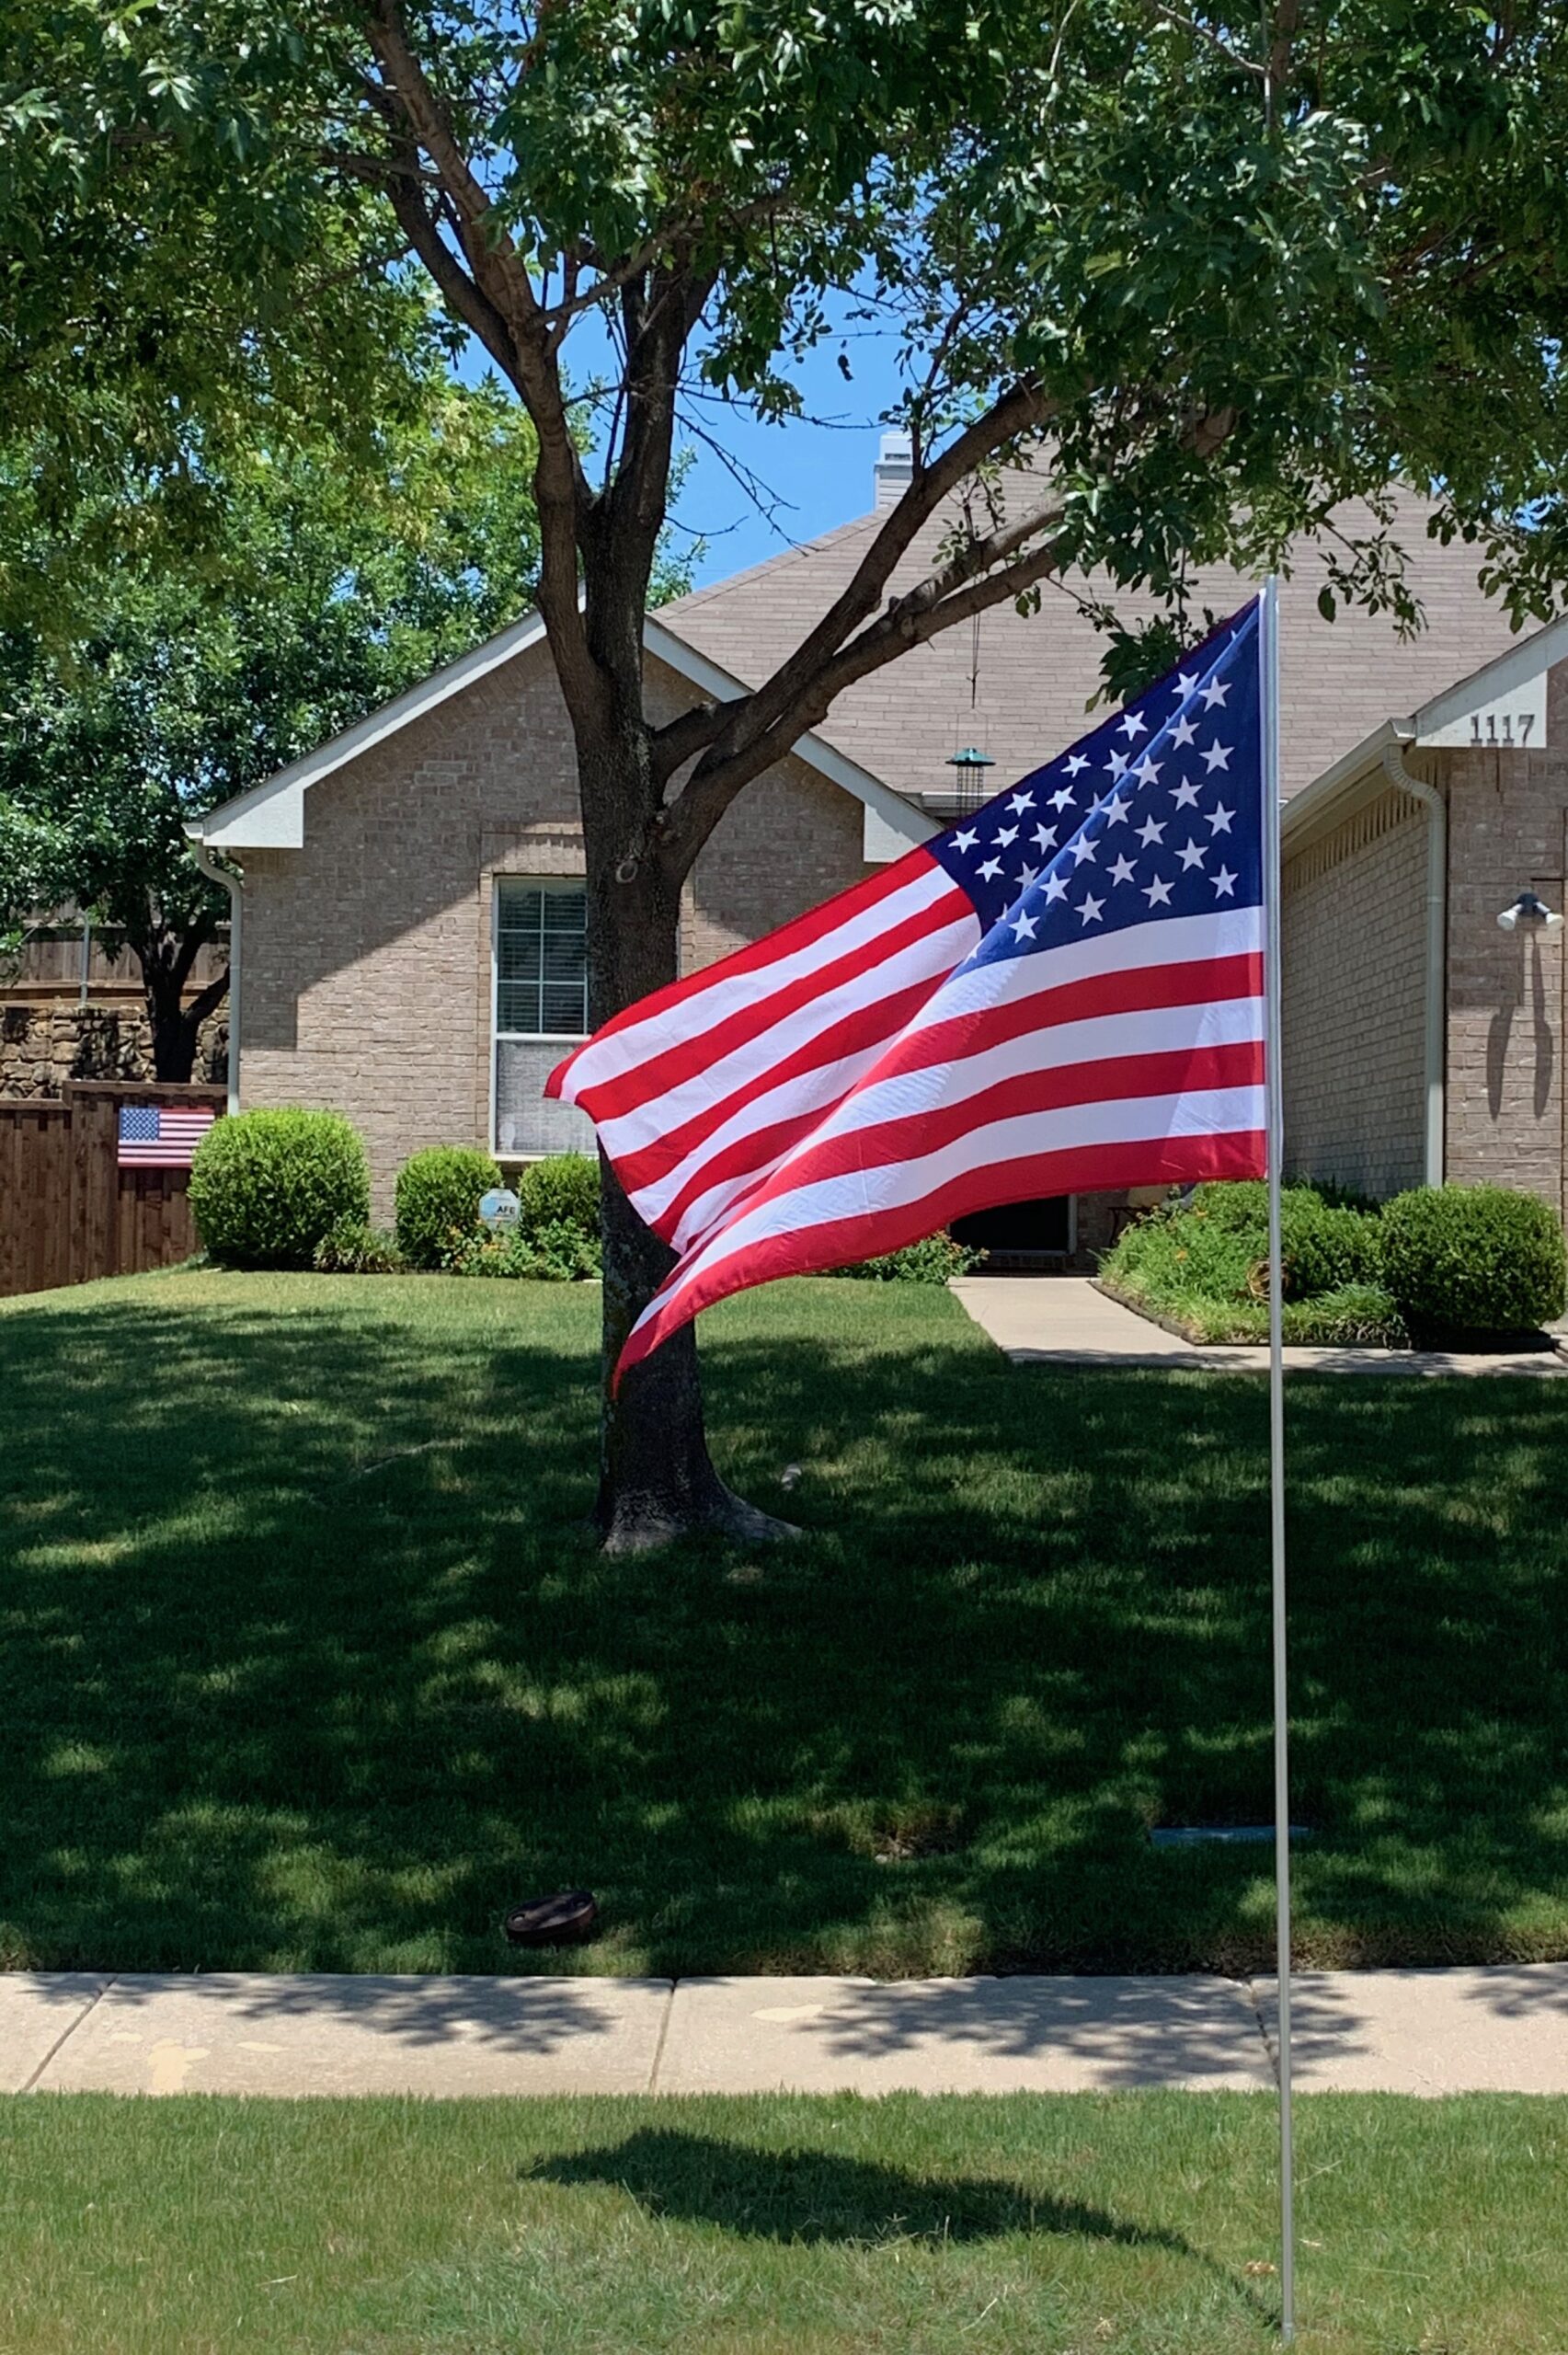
x,y
1023,2226
306,1664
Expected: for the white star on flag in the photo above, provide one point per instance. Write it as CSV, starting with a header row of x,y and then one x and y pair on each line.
x,y
1157,892
1220,818
1216,756
1090,909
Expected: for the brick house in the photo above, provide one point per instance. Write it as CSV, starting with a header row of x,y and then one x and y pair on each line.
x,y
410,922
1422,1040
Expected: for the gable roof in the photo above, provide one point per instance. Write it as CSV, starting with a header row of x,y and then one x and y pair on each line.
x,y
1502,704
271,815
889,738
1036,673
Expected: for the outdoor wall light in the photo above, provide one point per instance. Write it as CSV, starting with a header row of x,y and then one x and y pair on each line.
x,y
1527,910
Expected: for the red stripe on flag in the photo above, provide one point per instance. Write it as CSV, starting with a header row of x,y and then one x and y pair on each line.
x,y
798,934
613,1099
839,1241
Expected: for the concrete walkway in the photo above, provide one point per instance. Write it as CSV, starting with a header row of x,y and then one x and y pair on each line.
x,y
1066,1320
1504,2030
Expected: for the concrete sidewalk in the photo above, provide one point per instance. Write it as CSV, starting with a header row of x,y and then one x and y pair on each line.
x,y
1501,2030
1066,1320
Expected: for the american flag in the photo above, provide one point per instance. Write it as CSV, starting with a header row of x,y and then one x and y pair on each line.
x,y
154,1136
1064,991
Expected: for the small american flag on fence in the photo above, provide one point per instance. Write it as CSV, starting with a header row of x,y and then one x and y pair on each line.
x,y
1063,993
159,1136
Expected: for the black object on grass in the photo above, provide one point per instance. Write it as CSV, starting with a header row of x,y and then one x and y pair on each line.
x,y
557,1920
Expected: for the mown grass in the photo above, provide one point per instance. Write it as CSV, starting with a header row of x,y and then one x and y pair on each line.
x,y
778,2226
305,1661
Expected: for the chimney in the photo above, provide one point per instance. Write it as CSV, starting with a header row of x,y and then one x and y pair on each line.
x,y
894,470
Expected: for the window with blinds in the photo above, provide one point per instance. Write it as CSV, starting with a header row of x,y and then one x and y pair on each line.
x,y
541,961
541,1007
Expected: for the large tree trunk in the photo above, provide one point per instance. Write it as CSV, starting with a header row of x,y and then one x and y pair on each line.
x,y
175,1027
657,1480
174,1042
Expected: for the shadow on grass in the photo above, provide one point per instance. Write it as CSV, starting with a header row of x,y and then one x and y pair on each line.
x,y
809,2196
307,1663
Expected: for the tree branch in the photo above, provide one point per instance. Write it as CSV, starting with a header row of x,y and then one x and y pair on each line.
x,y
207,1000
909,621
1018,411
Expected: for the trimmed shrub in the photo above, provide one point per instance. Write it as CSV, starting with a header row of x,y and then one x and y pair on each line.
x,y
438,1197
931,1263
554,1252
561,1190
1473,1259
266,1186
1323,1249
1238,1205
352,1249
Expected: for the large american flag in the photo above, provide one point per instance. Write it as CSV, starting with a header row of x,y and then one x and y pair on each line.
x,y
159,1136
1063,992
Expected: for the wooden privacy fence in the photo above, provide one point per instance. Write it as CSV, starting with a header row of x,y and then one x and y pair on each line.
x,y
68,1212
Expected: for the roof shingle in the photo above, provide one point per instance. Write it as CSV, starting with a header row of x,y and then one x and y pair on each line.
x,y
1037,673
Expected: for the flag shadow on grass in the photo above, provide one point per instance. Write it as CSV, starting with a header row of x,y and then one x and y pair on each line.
x,y
803,2195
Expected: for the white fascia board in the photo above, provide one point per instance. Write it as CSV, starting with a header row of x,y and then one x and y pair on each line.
x,y
271,816
891,826
1504,703
1511,687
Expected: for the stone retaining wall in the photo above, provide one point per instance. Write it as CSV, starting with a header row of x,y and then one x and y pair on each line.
x,y
44,1043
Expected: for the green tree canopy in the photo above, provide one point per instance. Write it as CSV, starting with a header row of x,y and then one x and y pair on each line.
x,y
150,691
1169,285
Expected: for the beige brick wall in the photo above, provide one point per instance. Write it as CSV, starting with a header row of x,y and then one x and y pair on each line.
x,y
1353,951
1507,812
368,953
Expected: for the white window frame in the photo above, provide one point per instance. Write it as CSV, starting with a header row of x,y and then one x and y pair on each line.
x,y
499,886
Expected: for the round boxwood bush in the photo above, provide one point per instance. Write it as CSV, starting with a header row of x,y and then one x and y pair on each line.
x,y
1473,1259
437,1199
562,1190
1323,1249
267,1187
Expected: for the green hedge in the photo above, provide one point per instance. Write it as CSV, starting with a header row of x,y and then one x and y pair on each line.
x,y
1324,1249
562,1190
1473,1259
931,1263
1449,1259
438,1198
267,1187
556,1239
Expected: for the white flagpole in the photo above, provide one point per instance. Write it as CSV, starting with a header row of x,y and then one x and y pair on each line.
x,y
1268,657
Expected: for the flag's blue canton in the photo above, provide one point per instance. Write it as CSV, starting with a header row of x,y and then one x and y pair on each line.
x,y
1158,813
138,1124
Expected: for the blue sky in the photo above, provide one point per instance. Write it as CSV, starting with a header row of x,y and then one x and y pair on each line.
x,y
818,465
804,476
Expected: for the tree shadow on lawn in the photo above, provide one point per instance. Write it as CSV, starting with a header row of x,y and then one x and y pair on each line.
x,y
308,1664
